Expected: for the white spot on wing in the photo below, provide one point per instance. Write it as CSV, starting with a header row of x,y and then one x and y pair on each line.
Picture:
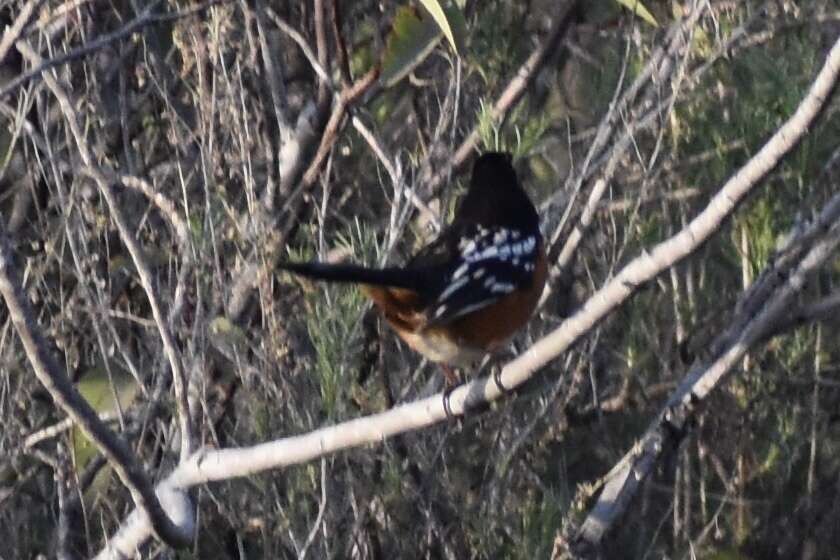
x,y
501,288
467,246
453,287
477,305
461,271
483,247
489,252
529,244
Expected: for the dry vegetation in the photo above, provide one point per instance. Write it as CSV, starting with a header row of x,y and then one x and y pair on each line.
x,y
155,163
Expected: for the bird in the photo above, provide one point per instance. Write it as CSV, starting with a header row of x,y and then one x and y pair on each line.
x,y
465,294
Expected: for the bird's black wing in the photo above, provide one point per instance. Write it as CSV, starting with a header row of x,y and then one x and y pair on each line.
x,y
488,263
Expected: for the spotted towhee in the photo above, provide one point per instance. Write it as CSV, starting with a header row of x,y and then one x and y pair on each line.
x,y
466,293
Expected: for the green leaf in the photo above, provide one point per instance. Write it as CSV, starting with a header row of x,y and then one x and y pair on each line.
x,y
96,390
227,337
639,9
414,35
443,18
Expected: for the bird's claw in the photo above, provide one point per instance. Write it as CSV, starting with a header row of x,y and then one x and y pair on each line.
x,y
497,379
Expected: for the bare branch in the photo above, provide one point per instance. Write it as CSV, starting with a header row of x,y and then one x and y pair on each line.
x,y
176,532
510,96
14,31
143,268
658,70
145,19
322,48
826,309
749,328
343,60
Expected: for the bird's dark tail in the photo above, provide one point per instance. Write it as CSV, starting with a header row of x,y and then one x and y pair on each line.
x,y
353,274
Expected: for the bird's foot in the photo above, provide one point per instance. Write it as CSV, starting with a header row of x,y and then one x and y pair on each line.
x,y
452,383
497,379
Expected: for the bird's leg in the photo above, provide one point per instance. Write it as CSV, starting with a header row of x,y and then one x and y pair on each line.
x,y
452,380
451,383
497,378
496,366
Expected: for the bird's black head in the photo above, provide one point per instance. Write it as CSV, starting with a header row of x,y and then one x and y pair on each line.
x,y
495,197
493,169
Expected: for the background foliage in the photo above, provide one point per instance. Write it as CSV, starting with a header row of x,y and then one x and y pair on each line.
x,y
187,104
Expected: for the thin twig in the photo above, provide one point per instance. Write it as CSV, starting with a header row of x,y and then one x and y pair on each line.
x,y
391,168
14,31
162,202
342,59
658,70
51,431
143,20
322,48
322,508
126,234
511,95
750,328
56,382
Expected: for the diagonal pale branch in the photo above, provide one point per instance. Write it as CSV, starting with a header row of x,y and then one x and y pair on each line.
x,y
659,71
101,178
56,382
648,265
511,95
208,465
749,328
291,159
15,30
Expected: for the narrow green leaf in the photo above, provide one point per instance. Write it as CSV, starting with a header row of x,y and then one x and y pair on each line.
x,y
415,33
413,36
458,25
640,10
442,19
96,389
